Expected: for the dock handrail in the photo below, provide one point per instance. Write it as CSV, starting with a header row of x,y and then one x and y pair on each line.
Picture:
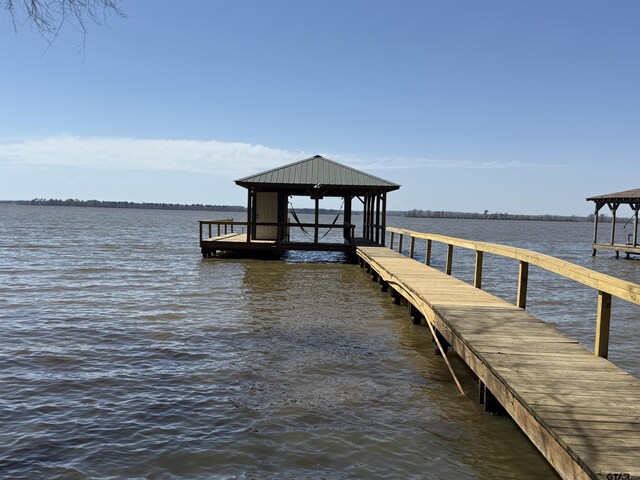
x,y
606,285
229,222
281,225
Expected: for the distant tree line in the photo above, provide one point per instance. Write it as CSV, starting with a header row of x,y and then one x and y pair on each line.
x,y
415,213
506,216
111,204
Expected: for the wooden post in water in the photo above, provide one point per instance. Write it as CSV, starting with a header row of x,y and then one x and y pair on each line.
x,y
317,220
371,217
250,214
427,256
523,280
595,226
477,277
395,296
346,218
364,215
449,265
377,226
603,321
614,209
384,218
636,209
414,313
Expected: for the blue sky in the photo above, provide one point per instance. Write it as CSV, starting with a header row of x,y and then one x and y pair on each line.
x,y
511,106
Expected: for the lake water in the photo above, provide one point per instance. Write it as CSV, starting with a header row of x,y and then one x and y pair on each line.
x,y
124,354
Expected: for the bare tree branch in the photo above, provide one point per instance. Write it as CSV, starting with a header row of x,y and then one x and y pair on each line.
x,y
48,17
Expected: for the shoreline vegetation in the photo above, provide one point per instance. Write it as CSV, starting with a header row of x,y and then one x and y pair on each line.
x,y
486,215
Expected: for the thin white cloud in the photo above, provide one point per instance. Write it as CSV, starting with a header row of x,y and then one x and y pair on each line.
x,y
401,163
224,159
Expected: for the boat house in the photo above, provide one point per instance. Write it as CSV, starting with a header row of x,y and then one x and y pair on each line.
x,y
631,244
271,217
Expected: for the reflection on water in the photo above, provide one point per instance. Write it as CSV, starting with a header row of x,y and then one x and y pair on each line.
x,y
124,354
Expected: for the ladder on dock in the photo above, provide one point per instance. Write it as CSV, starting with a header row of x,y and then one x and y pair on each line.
x,y
581,411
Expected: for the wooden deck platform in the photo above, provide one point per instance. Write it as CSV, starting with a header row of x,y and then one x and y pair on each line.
x,y
618,248
237,242
580,410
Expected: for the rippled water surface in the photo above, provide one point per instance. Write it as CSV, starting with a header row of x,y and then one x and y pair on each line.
x,y
124,354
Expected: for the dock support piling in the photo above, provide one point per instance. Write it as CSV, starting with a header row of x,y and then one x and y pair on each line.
x,y
488,399
395,296
377,232
384,218
442,344
614,208
316,220
414,313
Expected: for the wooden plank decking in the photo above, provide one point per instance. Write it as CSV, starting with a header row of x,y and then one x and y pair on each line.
x,y
581,411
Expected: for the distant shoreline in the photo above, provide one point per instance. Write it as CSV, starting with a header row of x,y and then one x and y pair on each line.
x,y
124,204
239,208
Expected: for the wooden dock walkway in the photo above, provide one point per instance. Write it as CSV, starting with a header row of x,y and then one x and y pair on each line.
x,y
581,411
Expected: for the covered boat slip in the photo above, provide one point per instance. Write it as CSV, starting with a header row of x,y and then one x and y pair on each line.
x,y
270,220
631,244
581,411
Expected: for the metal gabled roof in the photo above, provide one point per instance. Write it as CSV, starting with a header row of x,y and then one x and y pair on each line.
x,y
315,171
626,196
